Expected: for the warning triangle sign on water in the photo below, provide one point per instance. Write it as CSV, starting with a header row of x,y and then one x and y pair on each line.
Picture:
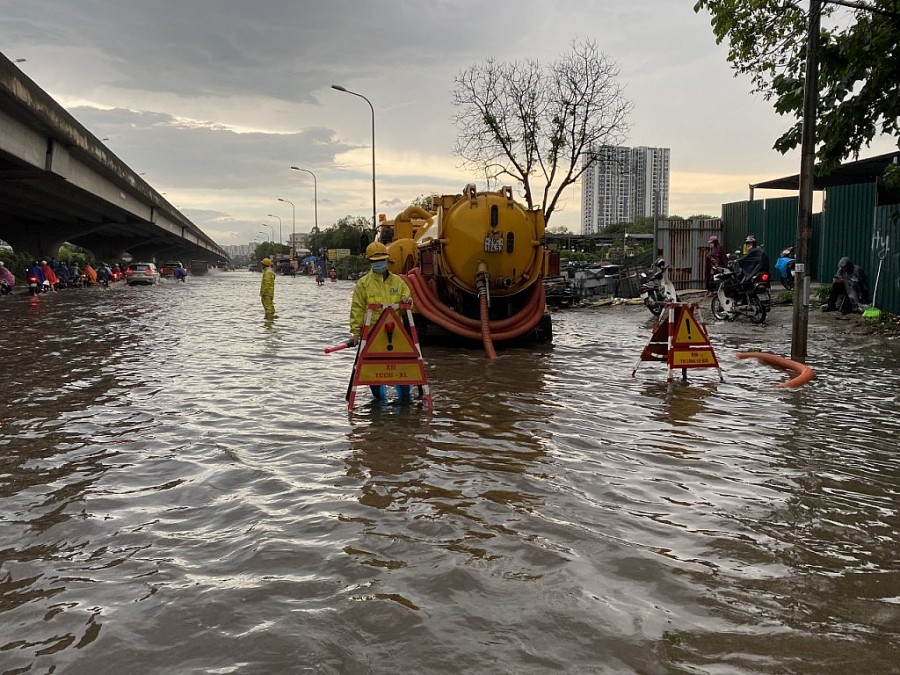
x,y
388,338
687,331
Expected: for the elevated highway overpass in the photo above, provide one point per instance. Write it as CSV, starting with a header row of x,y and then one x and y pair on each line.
x,y
59,183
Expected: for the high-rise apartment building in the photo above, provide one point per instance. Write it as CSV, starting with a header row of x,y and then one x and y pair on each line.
x,y
621,184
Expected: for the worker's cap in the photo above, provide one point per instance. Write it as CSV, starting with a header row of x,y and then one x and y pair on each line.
x,y
750,239
713,239
266,262
376,251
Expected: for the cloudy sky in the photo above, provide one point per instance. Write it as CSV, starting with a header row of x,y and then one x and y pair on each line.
x,y
214,100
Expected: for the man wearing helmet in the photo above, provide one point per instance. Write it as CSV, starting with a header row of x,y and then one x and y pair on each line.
x,y
378,286
754,260
267,288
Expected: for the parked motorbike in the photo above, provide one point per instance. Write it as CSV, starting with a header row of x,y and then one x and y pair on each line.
x,y
657,289
785,266
737,296
4,287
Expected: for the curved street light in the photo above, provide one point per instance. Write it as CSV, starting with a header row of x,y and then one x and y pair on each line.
x,y
315,205
273,231
280,238
347,91
293,227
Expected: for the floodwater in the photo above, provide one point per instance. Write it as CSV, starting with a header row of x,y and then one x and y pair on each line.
x,y
183,491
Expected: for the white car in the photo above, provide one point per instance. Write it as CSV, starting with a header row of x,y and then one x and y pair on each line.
x,y
141,273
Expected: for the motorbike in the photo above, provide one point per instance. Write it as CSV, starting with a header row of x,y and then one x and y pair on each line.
x,y
35,286
4,287
657,289
737,296
763,283
785,266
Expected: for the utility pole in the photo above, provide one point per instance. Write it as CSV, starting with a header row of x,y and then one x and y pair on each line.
x,y
800,324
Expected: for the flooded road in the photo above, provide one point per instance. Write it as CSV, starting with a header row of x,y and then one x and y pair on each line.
x,y
182,491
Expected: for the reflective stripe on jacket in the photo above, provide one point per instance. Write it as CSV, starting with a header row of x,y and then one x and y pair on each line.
x,y
374,288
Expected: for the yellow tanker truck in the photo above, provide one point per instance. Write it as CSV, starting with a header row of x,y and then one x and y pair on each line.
x,y
475,265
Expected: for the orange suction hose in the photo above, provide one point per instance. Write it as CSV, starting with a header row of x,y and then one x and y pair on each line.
x,y
804,372
496,325
486,327
437,312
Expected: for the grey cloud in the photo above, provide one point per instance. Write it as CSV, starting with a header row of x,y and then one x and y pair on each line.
x,y
205,156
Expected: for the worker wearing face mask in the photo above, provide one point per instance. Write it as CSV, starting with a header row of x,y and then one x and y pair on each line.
x,y
379,286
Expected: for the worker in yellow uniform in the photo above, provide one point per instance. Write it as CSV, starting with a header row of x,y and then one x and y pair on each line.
x,y
379,286
267,288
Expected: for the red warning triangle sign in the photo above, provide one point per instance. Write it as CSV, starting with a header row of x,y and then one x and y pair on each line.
x,y
687,330
388,338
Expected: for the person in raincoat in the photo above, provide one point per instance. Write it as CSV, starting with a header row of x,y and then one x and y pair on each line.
x,y
755,260
7,277
267,288
50,276
378,286
716,257
90,273
849,280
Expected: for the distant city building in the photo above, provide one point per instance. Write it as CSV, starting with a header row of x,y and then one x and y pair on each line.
x,y
235,250
621,184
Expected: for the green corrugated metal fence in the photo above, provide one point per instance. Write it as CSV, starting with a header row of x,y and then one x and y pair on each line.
x,y
850,225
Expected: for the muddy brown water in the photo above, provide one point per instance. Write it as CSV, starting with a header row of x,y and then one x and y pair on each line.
x,y
183,491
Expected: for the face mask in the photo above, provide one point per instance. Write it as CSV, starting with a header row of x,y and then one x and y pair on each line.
x,y
380,267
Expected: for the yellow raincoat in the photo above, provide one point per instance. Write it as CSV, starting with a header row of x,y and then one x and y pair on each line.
x,y
374,288
267,291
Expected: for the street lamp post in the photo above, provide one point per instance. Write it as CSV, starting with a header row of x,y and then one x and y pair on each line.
x,y
315,206
280,237
347,91
293,227
273,231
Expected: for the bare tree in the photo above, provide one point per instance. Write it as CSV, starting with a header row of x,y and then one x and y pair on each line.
x,y
538,125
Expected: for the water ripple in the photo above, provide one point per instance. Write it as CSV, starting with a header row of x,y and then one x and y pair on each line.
x,y
184,490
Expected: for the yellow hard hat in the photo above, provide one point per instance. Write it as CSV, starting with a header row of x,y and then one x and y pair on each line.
x,y
266,262
376,251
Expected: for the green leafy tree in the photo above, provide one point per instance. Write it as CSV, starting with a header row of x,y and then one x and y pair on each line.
x,y
859,58
425,202
641,225
535,124
71,253
347,233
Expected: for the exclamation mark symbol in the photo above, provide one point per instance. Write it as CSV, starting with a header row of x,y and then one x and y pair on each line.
x,y
688,325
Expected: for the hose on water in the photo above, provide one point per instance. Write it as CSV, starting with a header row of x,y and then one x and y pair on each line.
x,y
803,372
